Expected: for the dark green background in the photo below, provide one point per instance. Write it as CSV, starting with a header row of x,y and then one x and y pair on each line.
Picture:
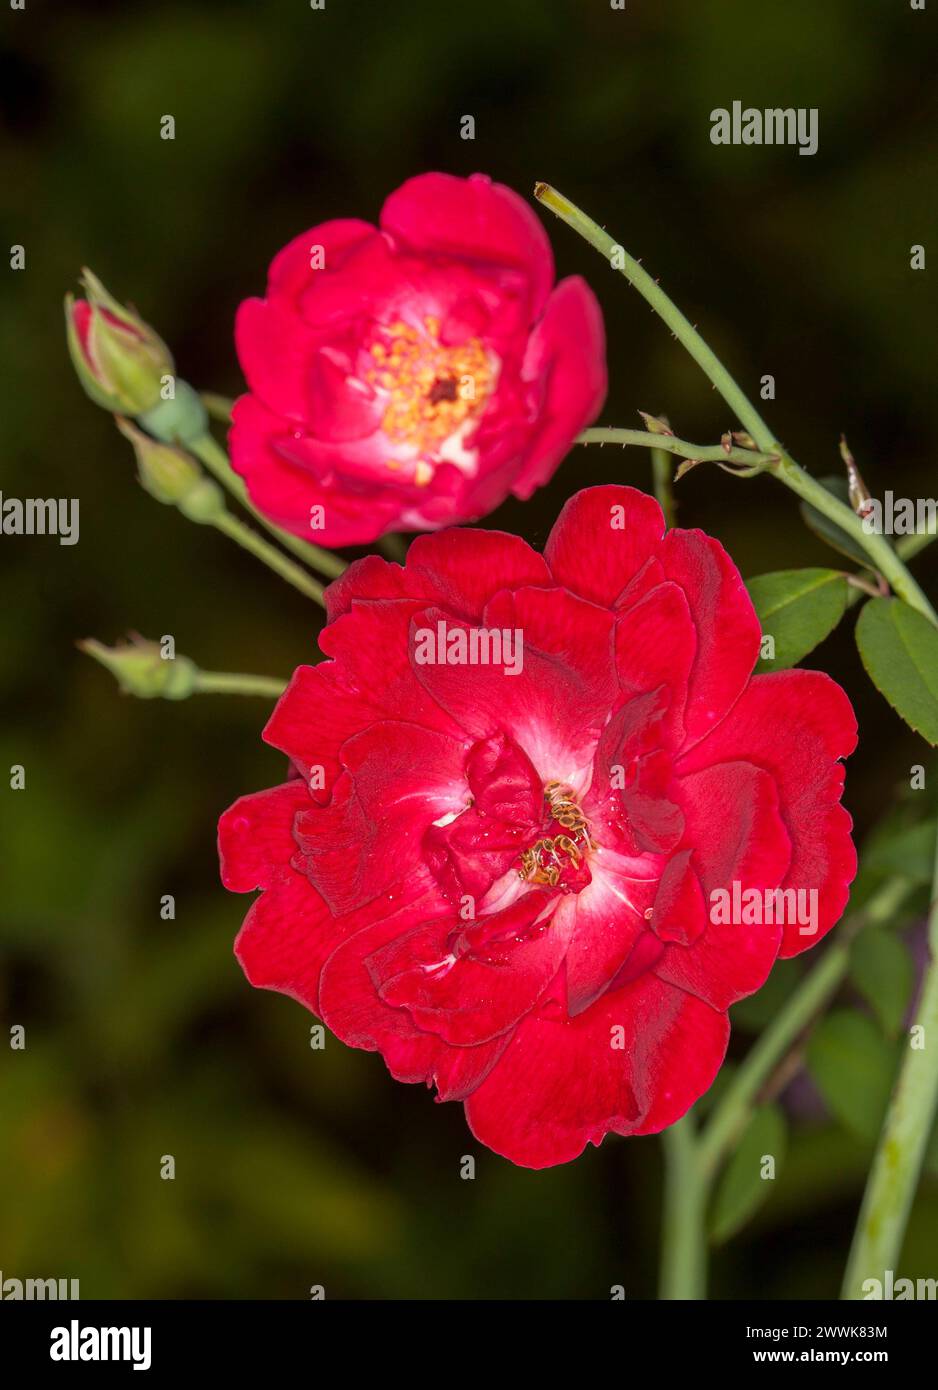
x,y
297,1167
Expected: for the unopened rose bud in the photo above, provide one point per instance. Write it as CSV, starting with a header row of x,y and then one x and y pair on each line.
x,y
141,669
172,477
121,363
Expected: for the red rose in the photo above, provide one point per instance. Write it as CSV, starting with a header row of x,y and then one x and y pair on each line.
x,y
411,377
505,883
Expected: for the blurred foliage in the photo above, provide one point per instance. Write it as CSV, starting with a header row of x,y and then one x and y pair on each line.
x,y
297,1167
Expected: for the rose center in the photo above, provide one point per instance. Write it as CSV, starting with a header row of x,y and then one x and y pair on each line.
x,y
559,859
433,391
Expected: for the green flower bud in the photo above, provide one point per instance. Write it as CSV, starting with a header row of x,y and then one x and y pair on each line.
x,y
180,420
120,361
141,669
172,477
204,503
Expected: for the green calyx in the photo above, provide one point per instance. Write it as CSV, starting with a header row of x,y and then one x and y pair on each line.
x,y
170,476
142,668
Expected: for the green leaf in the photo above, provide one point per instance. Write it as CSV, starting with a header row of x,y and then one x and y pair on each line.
x,y
828,530
742,1188
899,648
881,968
903,850
798,608
853,1066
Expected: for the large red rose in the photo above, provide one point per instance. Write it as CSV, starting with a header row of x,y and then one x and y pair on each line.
x,y
502,876
409,377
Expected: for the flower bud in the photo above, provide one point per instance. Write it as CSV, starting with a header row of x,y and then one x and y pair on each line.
x,y
120,361
141,669
179,419
172,477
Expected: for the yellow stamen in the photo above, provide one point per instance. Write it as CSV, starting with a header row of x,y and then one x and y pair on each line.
x,y
427,384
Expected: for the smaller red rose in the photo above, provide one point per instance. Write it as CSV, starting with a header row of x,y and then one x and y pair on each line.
x,y
410,377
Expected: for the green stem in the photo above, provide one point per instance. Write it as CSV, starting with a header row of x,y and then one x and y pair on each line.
x,y
860,587
662,475
683,1237
784,467
884,557
731,1115
907,547
701,453
650,290
236,683
877,1242
271,556
216,460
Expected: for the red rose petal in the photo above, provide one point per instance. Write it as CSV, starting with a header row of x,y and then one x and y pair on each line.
x,y
287,937
733,822
561,1084
292,269
794,724
728,631
602,538
474,219
473,984
566,362
366,842
352,1009
255,836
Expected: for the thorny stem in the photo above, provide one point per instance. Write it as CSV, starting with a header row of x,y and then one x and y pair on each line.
x,y
700,453
884,557
650,290
907,547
